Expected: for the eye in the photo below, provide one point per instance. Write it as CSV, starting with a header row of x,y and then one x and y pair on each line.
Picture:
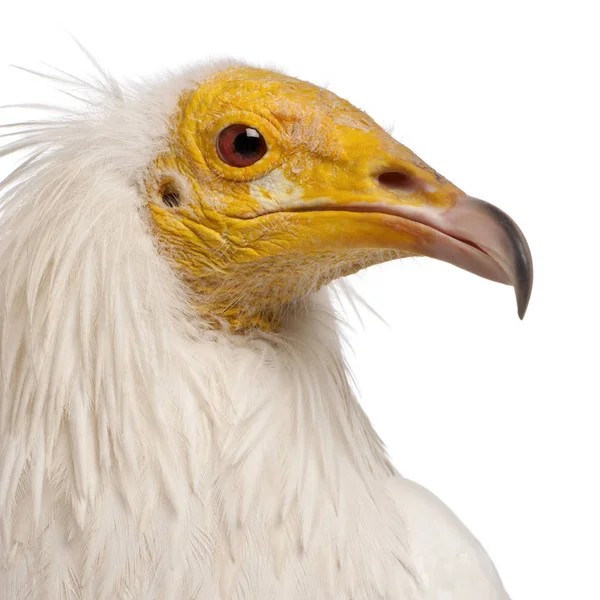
x,y
241,146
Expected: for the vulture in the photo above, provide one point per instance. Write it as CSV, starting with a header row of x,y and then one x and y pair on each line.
x,y
177,419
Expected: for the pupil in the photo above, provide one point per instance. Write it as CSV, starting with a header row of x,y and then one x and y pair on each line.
x,y
247,143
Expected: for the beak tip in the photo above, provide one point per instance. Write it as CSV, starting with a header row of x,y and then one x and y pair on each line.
x,y
524,283
517,254
523,294
521,309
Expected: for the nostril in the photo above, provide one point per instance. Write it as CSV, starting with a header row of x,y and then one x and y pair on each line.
x,y
398,181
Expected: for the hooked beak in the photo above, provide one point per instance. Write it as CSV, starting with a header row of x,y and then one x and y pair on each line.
x,y
414,210
473,235
493,234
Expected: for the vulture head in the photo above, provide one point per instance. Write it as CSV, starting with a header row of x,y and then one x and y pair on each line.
x,y
270,188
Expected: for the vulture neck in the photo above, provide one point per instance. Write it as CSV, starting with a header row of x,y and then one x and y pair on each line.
x,y
109,383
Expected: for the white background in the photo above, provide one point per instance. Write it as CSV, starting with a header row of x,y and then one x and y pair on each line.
x,y
496,416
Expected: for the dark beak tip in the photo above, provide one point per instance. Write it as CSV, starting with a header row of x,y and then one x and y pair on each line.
x,y
521,260
523,294
522,307
524,273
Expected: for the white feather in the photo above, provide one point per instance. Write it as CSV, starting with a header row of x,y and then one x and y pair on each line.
x,y
144,456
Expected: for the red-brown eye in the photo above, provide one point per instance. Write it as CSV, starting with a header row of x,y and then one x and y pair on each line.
x,y
241,146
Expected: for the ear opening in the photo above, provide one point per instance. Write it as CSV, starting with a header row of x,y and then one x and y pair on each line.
x,y
170,193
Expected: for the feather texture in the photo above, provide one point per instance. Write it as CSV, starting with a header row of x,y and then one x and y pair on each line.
x,y
145,456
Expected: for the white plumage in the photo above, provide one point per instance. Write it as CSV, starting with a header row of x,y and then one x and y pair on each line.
x,y
144,455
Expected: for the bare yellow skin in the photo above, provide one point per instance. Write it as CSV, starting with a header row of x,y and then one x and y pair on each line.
x,y
250,242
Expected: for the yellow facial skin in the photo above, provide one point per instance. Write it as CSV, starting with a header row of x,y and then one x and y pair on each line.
x,y
250,242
